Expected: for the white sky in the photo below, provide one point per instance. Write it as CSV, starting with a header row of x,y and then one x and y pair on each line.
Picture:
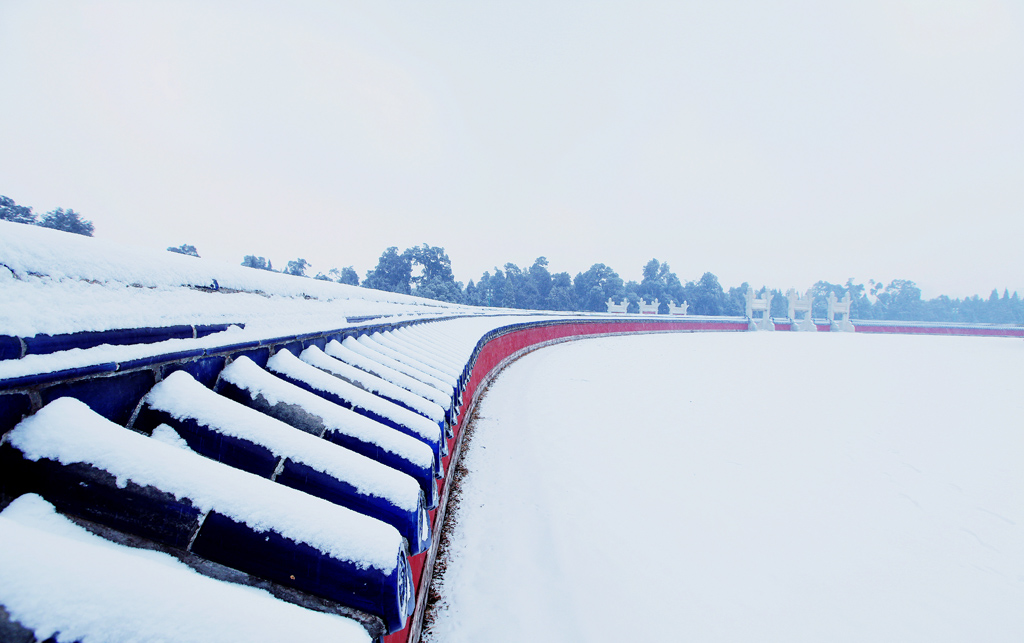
x,y
776,143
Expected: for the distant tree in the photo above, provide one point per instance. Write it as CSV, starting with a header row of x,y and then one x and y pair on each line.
x,y
297,267
435,279
708,296
659,282
901,300
11,211
260,263
322,277
348,276
68,221
393,272
595,286
185,249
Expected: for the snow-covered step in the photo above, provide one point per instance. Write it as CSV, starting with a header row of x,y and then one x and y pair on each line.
x,y
366,349
294,370
438,364
245,382
224,430
89,466
373,384
361,361
372,342
58,577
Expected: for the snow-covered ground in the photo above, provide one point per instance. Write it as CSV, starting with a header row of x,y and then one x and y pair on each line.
x,y
745,487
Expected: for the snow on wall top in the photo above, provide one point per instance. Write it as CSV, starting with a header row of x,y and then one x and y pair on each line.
x,y
57,577
68,431
54,282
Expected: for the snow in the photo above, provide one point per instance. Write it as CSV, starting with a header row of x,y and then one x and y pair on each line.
x,y
340,352
365,347
745,487
290,366
372,343
66,430
181,396
245,374
54,282
371,383
439,366
55,577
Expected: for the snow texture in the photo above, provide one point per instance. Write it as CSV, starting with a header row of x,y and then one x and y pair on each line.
x,y
57,578
181,396
371,383
67,431
745,487
365,347
287,364
245,374
340,352
370,341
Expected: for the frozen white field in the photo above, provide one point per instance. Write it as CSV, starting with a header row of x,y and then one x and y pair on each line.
x,y
745,487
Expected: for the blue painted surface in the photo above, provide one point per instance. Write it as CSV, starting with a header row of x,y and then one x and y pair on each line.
x,y
114,397
258,355
91,493
208,441
435,445
37,379
269,555
44,344
142,362
13,407
301,476
10,347
204,370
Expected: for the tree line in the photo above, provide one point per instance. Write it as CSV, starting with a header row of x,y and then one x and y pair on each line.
x,y
59,219
426,271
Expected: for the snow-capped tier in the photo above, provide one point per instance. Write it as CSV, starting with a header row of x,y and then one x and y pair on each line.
x,y
292,369
245,382
370,341
89,466
51,570
241,437
438,365
361,361
365,347
373,384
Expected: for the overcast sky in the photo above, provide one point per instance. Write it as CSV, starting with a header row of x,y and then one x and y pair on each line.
x,y
771,142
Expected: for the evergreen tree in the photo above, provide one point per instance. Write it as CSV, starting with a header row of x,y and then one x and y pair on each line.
x,y
297,267
185,249
260,263
68,221
11,211
393,272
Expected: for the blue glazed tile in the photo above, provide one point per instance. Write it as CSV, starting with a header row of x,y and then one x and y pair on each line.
x,y
205,370
159,359
204,440
13,407
269,555
298,475
232,348
10,347
295,348
55,376
114,397
91,493
45,344
208,329
257,355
